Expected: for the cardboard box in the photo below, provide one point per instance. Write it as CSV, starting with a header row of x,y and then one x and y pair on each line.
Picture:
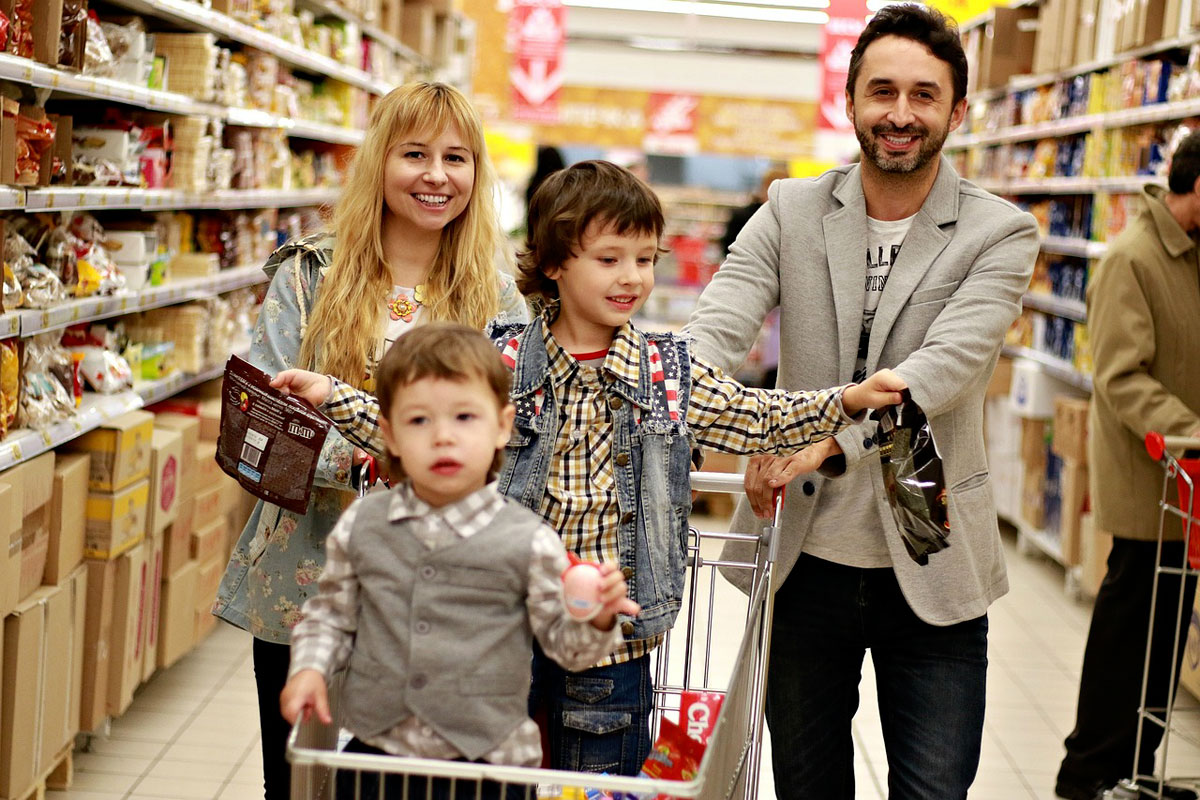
x,y
97,643
177,540
1033,496
209,581
188,428
176,625
1070,427
1073,497
116,522
120,450
1033,443
208,542
1066,35
129,597
68,515
1085,33
166,455
1007,49
418,29
20,697
78,582
35,545
207,472
62,653
152,607
10,547
34,481
208,504
1050,23
1001,380
1034,390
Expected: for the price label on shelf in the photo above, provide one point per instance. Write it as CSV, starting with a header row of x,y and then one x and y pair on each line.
x,y
16,452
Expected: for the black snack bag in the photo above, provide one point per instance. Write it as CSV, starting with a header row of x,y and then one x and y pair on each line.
x,y
269,441
912,476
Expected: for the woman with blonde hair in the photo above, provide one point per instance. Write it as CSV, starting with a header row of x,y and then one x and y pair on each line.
x,y
414,238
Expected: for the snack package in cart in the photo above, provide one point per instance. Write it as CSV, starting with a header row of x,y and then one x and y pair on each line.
x,y
698,714
269,441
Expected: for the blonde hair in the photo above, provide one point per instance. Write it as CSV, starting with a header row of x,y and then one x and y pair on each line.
x,y
462,284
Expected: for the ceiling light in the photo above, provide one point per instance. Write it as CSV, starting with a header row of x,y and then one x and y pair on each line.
x,y
711,9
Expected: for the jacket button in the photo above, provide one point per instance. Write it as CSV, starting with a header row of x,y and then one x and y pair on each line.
x,y
627,517
628,573
418,682
867,442
622,459
427,572
614,403
809,488
422,627
627,628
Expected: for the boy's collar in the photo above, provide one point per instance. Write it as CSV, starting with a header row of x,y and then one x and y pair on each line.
x,y
405,504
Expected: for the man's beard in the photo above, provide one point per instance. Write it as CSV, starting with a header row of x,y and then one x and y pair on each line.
x,y
906,163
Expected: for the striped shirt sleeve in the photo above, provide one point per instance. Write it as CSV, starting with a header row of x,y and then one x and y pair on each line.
x,y
323,639
725,415
355,413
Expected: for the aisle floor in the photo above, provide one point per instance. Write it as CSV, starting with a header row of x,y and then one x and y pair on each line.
x,y
192,730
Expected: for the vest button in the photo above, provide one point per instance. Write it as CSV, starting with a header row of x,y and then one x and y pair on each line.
x,y
627,572
867,442
809,488
614,403
622,459
627,518
627,628
418,682
422,627
427,572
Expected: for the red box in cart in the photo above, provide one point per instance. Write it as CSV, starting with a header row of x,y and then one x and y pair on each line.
x,y
698,714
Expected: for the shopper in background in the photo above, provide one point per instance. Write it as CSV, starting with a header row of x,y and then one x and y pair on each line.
x,y
457,688
549,160
740,216
605,422
944,270
413,238
1144,324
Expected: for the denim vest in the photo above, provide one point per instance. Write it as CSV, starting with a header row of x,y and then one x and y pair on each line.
x,y
651,461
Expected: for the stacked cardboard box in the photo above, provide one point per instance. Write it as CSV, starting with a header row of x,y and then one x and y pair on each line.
x,y
176,628
1070,445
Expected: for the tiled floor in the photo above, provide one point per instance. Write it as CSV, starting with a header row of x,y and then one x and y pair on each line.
x,y
192,730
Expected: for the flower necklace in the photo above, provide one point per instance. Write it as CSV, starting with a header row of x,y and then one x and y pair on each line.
x,y
404,307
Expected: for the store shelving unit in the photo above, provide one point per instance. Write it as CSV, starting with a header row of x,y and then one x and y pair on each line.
x,y
60,198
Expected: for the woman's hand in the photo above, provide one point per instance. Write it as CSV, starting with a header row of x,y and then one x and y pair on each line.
x,y
310,386
765,474
305,693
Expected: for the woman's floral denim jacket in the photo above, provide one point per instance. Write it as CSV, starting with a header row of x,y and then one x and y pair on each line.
x,y
279,556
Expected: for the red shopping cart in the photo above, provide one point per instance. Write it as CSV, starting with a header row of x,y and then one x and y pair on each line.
x,y
730,765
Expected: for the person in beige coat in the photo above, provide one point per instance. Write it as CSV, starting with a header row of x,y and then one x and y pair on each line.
x,y
1144,320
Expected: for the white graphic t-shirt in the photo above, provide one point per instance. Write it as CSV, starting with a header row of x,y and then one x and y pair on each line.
x,y
846,527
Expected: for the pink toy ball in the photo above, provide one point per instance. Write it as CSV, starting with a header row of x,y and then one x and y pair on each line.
x,y
581,589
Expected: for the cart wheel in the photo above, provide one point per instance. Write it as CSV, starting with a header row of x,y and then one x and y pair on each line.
x,y
1125,790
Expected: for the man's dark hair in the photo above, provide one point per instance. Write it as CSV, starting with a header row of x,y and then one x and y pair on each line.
x,y
1185,165
922,24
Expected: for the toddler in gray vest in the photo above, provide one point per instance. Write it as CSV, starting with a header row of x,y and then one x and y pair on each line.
x,y
433,592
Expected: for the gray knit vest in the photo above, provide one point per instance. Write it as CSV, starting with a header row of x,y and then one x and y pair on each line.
x,y
444,633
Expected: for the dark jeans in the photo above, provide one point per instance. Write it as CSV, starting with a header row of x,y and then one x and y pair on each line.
x,y
1100,749
931,683
599,719
350,786
270,674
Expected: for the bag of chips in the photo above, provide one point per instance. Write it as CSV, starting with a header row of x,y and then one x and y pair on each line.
x,y
913,478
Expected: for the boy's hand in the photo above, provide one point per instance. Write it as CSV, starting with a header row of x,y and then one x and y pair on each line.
x,y
305,693
880,390
614,594
311,386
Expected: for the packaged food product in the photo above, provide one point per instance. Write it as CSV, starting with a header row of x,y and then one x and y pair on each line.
x,y
913,479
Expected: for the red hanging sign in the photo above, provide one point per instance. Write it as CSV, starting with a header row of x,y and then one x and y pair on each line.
x,y
539,30
847,18
671,123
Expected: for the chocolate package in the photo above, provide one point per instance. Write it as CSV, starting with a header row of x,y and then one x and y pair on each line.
x,y
269,442
913,478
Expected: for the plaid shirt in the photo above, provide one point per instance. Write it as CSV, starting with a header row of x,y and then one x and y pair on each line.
x,y
324,638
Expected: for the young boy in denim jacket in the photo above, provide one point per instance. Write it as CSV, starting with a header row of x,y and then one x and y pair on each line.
x,y
433,592
606,419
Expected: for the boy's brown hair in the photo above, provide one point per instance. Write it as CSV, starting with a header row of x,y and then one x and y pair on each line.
x,y
445,350
566,203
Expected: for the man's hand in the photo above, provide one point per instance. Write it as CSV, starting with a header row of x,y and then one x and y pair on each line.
x,y
305,693
765,474
880,390
614,594
311,386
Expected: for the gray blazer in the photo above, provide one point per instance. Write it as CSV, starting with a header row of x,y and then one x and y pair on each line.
x,y
954,291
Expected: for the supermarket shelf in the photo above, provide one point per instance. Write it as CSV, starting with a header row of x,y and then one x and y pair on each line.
x,y
1124,185
1067,246
1158,112
300,129
11,199
102,197
152,392
195,17
1071,309
1036,538
332,9
86,309
1057,367
24,444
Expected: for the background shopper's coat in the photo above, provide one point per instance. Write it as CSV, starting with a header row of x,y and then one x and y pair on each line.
x,y
955,289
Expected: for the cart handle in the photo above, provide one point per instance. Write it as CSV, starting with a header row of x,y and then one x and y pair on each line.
x,y
1158,445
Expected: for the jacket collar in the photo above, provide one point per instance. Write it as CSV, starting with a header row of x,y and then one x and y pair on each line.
x,y
1174,237
941,204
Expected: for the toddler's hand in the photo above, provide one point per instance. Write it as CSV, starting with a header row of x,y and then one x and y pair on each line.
x,y
311,386
614,594
880,390
305,693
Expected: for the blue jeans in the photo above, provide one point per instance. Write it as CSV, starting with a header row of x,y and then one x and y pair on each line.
x,y
599,719
931,682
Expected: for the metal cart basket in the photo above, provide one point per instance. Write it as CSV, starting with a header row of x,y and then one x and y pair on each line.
x,y
1180,459
685,661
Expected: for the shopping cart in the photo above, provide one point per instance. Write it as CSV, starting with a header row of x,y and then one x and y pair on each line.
x,y
1180,458
730,765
